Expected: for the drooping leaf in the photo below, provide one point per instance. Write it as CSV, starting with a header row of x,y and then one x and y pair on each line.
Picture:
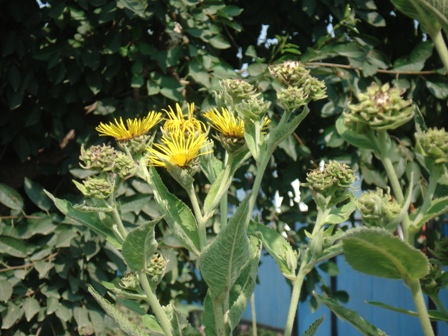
x,y
277,246
350,316
139,246
92,220
13,246
223,260
117,315
31,307
176,213
36,193
434,315
376,251
353,138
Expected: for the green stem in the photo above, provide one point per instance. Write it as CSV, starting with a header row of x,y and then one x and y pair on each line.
x,y
434,175
254,315
219,318
155,305
439,304
119,222
420,305
383,146
295,296
441,47
202,222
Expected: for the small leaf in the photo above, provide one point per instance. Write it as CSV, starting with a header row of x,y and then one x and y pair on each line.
x,y
13,246
5,290
353,138
434,315
311,331
277,247
219,42
31,307
37,194
437,207
351,316
376,252
139,246
176,213
341,214
10,197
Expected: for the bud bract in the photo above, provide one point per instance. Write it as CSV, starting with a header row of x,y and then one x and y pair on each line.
x,y
433,144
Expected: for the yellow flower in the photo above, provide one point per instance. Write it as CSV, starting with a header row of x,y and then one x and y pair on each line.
x,y
226,123
132,129
178,148
176,120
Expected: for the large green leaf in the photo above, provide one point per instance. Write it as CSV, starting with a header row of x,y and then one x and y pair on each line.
x,y
377,252
176,213
96,221
139,246
424,12
278,248
243,288
351,316
224,259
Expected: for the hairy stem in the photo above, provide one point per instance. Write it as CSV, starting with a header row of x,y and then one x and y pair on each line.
x,y
219,317
420,305
202,222
155,304
295,296
441,48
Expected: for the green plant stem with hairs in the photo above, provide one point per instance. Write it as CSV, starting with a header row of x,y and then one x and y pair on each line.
x,y
420,305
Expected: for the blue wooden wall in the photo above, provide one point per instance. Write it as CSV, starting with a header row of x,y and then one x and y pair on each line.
x,y
272,296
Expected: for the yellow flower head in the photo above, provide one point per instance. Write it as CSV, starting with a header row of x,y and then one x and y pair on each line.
x,y
176,120
132,129
178,148
226,123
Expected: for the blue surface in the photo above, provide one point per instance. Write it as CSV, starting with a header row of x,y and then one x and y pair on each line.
x,y
272,296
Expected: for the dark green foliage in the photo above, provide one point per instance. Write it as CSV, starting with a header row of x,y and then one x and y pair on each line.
x,y
67,65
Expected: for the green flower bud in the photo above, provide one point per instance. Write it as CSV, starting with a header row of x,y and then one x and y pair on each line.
x,y
380,108
252,109
124,166
440,251
378,209
156,269
290,73
292,98
234,91
333,180
433,144
434,281
130,281
315,88
96,187
136,146
98,158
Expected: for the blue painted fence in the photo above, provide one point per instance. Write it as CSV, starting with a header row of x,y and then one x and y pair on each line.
x,y
272,296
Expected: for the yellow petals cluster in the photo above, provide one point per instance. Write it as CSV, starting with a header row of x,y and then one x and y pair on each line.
x,y
226,123
132,129
183,139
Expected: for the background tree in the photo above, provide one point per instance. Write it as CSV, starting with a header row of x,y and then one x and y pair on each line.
x,y
67,65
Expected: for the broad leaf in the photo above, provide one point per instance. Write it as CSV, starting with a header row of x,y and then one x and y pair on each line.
x,y
244,287
377,252
418,11
117,315
351,316
98,222
13,246
5,290
31,307
37,194
277,247
223,261
139,246
176,213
